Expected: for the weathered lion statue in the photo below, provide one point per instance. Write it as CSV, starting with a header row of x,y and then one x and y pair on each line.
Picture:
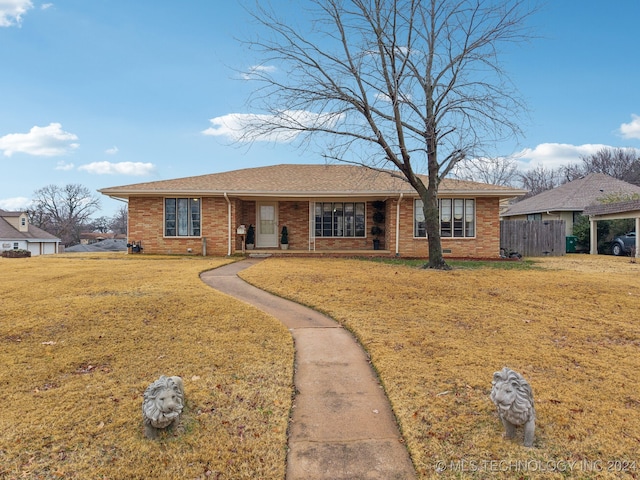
x,y
512,395
162,405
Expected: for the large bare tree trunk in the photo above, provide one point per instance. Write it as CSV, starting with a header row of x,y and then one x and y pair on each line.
x,y
411,86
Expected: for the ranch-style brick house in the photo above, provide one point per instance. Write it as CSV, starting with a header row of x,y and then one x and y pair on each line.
x,y
327,209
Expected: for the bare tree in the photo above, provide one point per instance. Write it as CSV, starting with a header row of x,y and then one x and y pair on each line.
x,y
496,171
620,163
118,222
63,211
100,225
539,179
413,86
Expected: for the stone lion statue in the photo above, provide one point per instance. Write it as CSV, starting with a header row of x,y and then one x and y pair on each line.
x,y
162,405
512,395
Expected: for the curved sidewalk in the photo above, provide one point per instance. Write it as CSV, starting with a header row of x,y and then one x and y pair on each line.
x,y
342,426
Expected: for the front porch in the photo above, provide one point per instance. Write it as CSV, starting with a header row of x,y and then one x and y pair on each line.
x,y
291,252
314,228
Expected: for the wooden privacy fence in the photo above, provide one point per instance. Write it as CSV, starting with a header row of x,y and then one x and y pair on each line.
x,y
533,238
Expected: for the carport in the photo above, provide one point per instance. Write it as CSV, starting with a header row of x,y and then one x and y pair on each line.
x,y
612,211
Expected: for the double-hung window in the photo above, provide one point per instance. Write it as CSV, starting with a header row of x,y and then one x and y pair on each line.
x,y
182,217
457,218
339,219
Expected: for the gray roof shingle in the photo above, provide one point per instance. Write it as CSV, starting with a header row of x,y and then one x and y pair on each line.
x,y
612,208
289,180
573,196
9,232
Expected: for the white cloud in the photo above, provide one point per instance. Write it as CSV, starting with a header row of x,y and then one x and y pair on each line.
x,y
257,70
11,11
631,129
62,165
121,168
49,141
554,155
383,97
284,128
46,6
14,204
236,127
112,151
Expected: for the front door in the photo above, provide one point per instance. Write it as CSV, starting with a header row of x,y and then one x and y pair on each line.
x,y
267,223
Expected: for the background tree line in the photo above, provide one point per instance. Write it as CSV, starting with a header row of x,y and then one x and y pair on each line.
x,y
67,211
620,163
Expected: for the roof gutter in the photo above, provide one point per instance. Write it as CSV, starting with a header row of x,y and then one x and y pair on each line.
x,y
229,221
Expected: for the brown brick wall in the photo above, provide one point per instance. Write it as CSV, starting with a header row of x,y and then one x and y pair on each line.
x,y
486,243
295,215
146,224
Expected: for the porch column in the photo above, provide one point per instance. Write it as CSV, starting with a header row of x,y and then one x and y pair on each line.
x,y
398,226
229,226
593,236
312,229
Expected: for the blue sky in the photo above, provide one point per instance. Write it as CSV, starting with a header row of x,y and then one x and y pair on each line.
x,y
112,92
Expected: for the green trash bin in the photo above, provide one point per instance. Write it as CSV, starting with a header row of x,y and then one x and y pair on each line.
x,y
572,242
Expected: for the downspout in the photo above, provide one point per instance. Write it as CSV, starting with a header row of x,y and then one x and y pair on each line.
x,y
127,232
398,225
229,221
637,254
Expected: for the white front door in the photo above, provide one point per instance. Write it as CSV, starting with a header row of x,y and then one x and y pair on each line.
x,y
267,225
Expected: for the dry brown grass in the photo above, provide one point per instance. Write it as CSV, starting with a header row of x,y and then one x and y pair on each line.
x,y
81,337
571,328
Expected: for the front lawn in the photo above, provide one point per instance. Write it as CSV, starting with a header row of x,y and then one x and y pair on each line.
x,y
83,335
570,325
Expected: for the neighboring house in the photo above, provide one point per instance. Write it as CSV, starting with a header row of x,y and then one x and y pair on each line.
x,y
568,201
326,208
16,233
89,238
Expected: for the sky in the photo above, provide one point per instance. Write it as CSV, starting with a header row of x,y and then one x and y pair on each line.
x,y
112,92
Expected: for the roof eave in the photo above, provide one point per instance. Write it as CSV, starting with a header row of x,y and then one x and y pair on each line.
x,y
125,194
543,210
483,193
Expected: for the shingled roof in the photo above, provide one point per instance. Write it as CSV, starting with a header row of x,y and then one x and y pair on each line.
x,y
573,196
613,208
295,180
9,232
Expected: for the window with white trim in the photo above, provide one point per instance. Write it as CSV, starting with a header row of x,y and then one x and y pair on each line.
x,y
457,218
182,217
339,219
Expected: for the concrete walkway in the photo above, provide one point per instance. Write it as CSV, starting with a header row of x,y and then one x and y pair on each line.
x,y
342,427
